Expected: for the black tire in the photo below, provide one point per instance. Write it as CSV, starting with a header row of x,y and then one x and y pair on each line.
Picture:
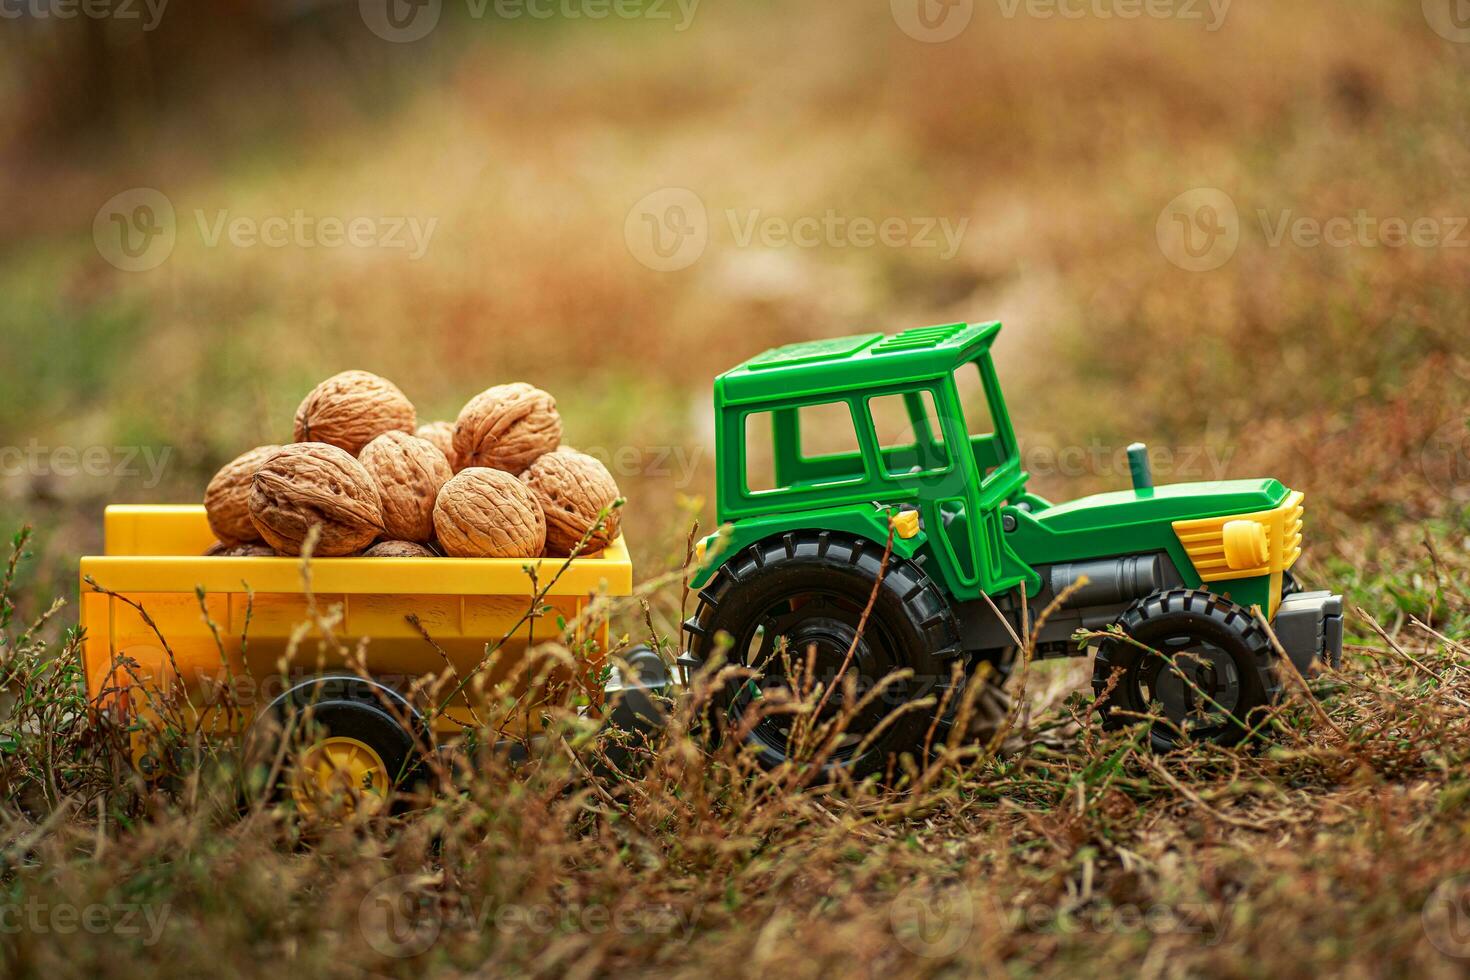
x,y
344,707
1214,643
989,709
810,588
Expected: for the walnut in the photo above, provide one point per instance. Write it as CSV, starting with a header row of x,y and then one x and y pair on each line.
x,y
487,513
399,549
408,472
227,498
251,550
574,489
311,483
441,434
507,427
351,409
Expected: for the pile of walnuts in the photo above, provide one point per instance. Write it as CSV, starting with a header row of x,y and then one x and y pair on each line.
x,y
495,483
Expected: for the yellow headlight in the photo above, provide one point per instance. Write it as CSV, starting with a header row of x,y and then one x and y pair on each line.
x,y
1245,544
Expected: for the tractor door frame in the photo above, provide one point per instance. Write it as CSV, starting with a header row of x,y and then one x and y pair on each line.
x,y
995,567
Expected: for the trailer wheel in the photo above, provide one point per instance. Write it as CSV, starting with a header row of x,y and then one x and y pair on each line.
x,y
345,751
1204,659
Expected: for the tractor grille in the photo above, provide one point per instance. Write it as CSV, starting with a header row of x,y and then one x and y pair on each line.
x,y
1204,541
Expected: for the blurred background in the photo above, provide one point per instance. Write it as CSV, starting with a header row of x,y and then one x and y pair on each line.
x,y
1236,230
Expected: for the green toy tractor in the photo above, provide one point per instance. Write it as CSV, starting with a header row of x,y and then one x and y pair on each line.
x,y
828,449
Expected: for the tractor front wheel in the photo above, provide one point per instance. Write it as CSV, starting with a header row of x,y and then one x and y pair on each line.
x,y
1204,661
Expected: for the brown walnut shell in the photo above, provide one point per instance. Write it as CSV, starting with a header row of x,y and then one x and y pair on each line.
x,y
441,434
574,489
408,472
227,498
506,427
399,549
253,549
487,513
313,484
351,409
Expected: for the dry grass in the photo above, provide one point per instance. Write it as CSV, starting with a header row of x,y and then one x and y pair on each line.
x,y
1070,847
1336,369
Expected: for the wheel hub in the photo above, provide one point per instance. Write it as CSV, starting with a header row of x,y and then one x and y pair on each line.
x,y
343,768
823,643
1199,687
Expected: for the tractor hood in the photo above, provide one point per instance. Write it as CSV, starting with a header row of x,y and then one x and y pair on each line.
x,y
1176,502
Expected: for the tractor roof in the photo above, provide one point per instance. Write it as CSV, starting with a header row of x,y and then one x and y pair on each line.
x,y
840,364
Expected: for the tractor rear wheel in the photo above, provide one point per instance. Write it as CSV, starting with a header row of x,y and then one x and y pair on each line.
x,y
1205,660
792,608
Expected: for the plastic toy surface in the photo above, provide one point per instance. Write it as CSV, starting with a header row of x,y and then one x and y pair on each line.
x,y
1194,572
153,559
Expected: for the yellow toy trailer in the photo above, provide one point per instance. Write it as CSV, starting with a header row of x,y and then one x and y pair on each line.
x,y
253,630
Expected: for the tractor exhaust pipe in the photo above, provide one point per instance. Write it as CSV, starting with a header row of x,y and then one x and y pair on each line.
x,y
1110,581
1139,468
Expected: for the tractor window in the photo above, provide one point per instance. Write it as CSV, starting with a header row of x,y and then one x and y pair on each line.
x,y
760,453
827,430
978,420
910,439
802,448
973,402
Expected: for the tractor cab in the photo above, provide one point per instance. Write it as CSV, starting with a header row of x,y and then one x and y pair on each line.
x,y
915,422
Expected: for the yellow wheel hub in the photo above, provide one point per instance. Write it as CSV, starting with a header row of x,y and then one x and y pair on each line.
x,y
344,769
